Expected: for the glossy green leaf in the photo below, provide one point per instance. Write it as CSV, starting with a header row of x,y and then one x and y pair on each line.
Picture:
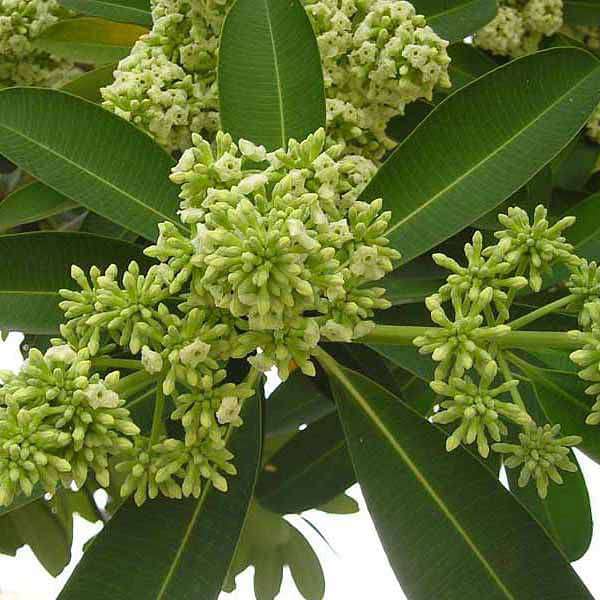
x,y
340,505
174,549
468,63
454,20
269,543
316,454
408,358
565,512
90,40
36,265
93,223
86,153
413,282
449,528
402,126
125,11
447,173
32,202
582,12
89,84
297,401
269,52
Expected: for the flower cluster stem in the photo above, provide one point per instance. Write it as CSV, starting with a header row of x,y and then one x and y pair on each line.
x,y
157,417
541,312
401,335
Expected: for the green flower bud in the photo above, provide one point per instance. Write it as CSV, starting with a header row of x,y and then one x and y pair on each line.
x,y
541,454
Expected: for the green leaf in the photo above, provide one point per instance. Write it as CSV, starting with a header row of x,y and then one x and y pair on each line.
x,y
297,401
565,513
577,166
340,505
316,454
413,282
36,265
174,549
86,153
270,74
582,12
32,202
269,543
448,173
585,233
93,223
454,20
125,11
89,40
562,397
449,528
89,84
402,126
468,63
408,358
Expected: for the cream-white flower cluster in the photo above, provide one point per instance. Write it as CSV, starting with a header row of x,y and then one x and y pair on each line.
x,y
378,56
168,84
274,253
520,26
21,63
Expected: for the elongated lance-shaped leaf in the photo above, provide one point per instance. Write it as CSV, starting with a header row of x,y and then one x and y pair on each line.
x,y
35,266
174,549
89,84
270,74
89,155
454,168
125,11
454,20
316,454
32,202
90,40
449,528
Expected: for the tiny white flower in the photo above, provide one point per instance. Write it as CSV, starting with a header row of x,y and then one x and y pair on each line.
x,y
299,234
252,151
252,183
64,354
151,361
195,353
100,396
229,411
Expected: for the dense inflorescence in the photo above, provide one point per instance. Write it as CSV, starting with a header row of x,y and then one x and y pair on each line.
x,y
472,311
274,253
377,56
21,63
520,26
168,84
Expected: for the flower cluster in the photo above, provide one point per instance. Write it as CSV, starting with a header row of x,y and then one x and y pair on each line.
x,y
520,26
467,342
274,253
167,85
21,63
58,422
378,56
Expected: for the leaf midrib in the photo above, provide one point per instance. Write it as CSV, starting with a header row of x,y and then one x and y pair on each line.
x,y
488,157
364,405
277,76
91,174
123,7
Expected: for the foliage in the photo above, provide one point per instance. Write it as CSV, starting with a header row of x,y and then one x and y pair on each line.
x,y
317,180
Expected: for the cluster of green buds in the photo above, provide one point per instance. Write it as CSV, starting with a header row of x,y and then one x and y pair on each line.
x,y
472,311
168,84
275,253
378,56
58,422
520,26
21,63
